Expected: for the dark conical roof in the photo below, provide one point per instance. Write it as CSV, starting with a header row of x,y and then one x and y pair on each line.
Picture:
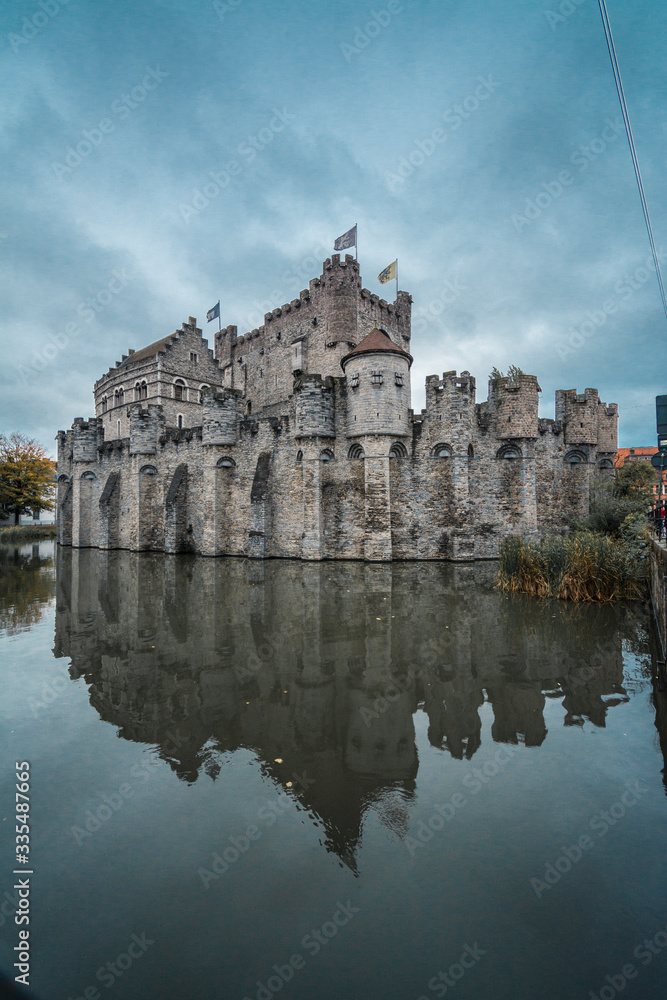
x,y
376,342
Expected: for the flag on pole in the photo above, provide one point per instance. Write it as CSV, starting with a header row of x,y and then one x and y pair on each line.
x,y
389,272
213,313
347,240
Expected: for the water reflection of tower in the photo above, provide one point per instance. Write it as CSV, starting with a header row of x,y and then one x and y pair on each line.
x,y
317,668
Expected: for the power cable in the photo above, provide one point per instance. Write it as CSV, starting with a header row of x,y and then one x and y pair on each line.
x,y
633,152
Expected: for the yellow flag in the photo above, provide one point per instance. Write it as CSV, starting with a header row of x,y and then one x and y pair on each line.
x,y
389,273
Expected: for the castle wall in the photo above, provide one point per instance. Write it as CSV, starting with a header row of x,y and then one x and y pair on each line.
x,y
285,455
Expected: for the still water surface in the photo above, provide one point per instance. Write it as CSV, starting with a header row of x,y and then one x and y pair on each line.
x,y
318,781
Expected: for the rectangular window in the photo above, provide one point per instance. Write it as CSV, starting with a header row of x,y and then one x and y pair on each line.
x,y
377,377
194,358
398,378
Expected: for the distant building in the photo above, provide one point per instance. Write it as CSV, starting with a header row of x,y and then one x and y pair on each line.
x,y
624,455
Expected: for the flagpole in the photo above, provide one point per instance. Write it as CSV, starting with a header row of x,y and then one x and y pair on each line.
x,y
356,241
219,320
397,279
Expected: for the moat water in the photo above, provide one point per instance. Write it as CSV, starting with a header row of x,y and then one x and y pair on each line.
x,y
318,781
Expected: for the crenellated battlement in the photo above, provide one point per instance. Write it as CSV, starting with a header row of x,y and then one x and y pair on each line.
x,y
314,402
583,415
86,436
147,426
513,406
221,414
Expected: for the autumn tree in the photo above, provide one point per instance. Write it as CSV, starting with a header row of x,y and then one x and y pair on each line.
x,y
27,476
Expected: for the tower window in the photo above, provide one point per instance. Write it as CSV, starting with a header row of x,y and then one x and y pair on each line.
x,y
180,390
354,381
398,378
194,357
377,378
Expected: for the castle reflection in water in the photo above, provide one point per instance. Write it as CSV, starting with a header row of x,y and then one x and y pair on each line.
x,y
318,668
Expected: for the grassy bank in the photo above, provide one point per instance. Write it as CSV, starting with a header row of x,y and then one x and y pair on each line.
x,y
584,566
28,533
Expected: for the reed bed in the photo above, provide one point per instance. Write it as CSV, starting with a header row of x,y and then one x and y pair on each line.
x,y
28,533
584,566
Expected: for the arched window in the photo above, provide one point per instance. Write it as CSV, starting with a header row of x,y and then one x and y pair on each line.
x,y
121,397
442,451
356,451
299,456
203,389
63,478
605,463
144,390
509,451
575,458
248,407
105,403
148,470
180,390
226,462
88,475
137,391
326,455
471,451
180,421
398,450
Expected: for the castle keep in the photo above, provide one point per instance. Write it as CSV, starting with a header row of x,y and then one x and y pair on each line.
x,y
297,440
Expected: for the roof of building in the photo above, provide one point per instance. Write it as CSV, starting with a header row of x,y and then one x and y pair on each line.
x,y
629,453
376,342
146,352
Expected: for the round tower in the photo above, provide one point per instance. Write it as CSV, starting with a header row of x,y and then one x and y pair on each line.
x,y
377,372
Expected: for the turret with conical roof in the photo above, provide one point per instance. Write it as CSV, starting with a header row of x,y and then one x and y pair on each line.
x,y
377,372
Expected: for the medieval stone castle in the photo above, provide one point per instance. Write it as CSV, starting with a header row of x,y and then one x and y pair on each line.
x,y
297,440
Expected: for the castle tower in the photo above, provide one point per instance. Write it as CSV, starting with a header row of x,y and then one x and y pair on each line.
x,y
378,387
450,409
513,408
315,432
377,373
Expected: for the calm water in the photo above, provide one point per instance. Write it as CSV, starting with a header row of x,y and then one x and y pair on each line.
x,y
329,781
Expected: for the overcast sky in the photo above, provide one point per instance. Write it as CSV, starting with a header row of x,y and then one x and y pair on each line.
x,y
159,156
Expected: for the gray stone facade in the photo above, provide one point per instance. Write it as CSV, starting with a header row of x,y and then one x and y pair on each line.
x,y
297,440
